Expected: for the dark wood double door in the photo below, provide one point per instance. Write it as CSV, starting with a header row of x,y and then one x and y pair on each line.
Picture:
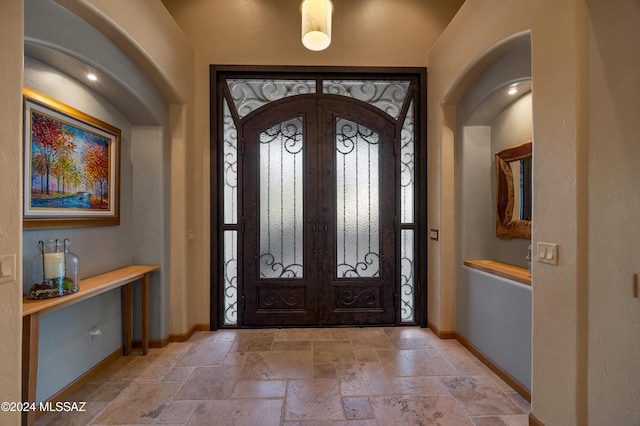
x,y
318,214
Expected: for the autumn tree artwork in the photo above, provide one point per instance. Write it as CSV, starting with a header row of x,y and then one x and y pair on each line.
x,y
70,169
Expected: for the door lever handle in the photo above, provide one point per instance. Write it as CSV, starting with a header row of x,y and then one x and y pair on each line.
x,y
314,238
326,235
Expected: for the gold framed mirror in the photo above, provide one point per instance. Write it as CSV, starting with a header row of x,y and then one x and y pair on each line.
x,y
514,192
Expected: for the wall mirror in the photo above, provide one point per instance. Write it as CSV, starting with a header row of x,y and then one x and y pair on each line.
x,y
514,194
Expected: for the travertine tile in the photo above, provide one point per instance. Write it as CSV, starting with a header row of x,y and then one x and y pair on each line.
x,y
252,342
140,403
237,412
177,412
463,361
371,339
178,374
518,399
125,369
79,418
419,385
512,420
278,365
235,358
304,334
313,399
225,335
366,355
333,351
478,396
202,354
203,337
209,383
418,409
333,423
324,371
403,338
307,377
259,389
415,362
358,379
357,408
99,391
287,345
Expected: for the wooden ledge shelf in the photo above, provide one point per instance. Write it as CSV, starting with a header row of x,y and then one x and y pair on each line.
x,y
503,270
89,287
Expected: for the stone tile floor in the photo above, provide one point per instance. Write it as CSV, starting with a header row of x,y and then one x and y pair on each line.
x,y
337,376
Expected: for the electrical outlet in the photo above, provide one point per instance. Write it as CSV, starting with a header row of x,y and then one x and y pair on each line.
x,y
7,268
547,253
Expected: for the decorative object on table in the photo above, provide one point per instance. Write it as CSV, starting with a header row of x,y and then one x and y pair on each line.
x,y
54,271
71,166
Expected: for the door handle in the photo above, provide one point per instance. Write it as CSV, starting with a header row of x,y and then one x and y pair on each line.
x,y
314,238
326,235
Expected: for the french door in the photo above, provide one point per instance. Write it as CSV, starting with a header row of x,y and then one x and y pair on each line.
x,y
316,199
319,199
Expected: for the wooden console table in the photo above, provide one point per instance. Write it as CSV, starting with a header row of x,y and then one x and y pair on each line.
x,y
33,309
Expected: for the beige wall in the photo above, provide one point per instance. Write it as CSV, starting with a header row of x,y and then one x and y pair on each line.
x,y
558,45
160,49
11,48
614,210
567,298
585,321
252,32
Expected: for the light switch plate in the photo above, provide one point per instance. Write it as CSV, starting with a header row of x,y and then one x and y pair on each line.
x,y
433,234
7,268
547,253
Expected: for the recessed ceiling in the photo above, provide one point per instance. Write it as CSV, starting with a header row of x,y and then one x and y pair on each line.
x,y
496,102
80,49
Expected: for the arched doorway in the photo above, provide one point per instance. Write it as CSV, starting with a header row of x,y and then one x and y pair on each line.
x,y
317,198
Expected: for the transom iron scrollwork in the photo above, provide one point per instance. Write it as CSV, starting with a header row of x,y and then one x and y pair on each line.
x,y
250,94
389,96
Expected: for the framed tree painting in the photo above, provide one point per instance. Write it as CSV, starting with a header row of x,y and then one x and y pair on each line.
x,y
71,166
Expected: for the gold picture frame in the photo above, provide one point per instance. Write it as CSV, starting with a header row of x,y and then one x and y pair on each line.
x,y
71,166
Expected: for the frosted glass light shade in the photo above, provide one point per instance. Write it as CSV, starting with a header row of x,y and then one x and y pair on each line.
x,y
316,23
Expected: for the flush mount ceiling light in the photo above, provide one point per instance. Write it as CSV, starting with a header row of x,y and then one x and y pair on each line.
x,y
513,89
316,23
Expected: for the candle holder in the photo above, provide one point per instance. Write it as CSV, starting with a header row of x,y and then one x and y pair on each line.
x,y
54,271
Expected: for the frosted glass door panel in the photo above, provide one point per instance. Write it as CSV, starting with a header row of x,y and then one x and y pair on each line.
x,y
230,155
281,200
357,200
231,277
407,285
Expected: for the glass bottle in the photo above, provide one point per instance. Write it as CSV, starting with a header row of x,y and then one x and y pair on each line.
x,y
54,271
